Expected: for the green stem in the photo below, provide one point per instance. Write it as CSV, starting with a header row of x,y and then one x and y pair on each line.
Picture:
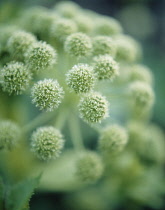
x,y
40,119
61,118
75,132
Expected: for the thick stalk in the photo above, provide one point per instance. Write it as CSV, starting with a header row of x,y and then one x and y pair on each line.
x,y
39,120
75,132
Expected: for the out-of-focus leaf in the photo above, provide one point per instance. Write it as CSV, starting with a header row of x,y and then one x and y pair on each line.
x,y
1,193
18,196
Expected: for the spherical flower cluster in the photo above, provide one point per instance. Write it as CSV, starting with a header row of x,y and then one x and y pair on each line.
x,y
78,45
147,141
40,56
141,73
67,9
47,143
153,147
89,167
9,134
128,50
113,140
84,23
19,42
42,21
34,14
141,94
93,108
62,28
107,26
104,45
105,67
47,94
6,32
137,134
16,78
81,78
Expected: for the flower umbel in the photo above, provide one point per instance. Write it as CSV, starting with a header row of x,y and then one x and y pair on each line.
x,y
113,140
40,56
105,67
47,143
16,78
47,94
89,167
93,107
81,78
9,134
78,45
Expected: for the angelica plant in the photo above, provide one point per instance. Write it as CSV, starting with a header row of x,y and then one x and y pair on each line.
x,y
75,107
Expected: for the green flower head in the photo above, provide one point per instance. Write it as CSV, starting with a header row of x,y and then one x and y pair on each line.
x,y
47,94
81,78
47,143
78,45
9,134
104,45
16,78
93,107
40,56
106,67
112,140
89,167
19,42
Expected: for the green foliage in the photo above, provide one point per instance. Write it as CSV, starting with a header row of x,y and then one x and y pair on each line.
x,y
18,195
1,193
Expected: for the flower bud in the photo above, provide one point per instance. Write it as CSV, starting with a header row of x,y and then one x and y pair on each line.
x,y
19,42
93,108
35,15
103,45
40,56
9,134
89,167
81,78
16,78
141,95
62,28
105,67
107,26
67,9
128,49
6,32
141,73
47,94
84,23
113,140
47,143
78,45
153,146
